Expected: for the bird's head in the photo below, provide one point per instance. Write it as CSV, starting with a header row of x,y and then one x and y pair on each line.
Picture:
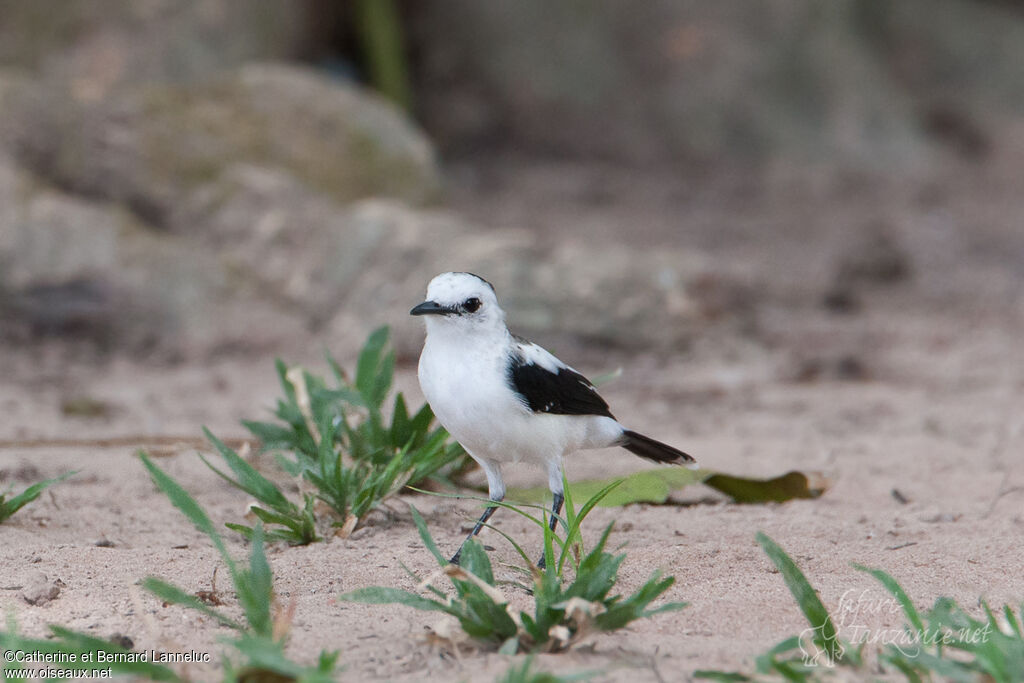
x,y
461,302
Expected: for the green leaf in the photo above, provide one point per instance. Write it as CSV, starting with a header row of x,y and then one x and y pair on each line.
x,y
724,676
475,561
9,507
897,592
425,536
1014,622
656,485
374,369
645,486
264,660
272,436
789,486
510,647
245,531
347,450
188,506
249,479
420,422
380,595
400,427
67,641
512,542
825,635
484,615
255,588
282,375
573,535
340,394
269,517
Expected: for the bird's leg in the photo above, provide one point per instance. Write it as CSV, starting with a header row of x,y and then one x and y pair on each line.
x,y
476,529
496,490
555,483
556,509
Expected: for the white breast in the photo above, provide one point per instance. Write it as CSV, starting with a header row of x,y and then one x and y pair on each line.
x,y
467,387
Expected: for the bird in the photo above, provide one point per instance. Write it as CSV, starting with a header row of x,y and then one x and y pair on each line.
x,y
505,399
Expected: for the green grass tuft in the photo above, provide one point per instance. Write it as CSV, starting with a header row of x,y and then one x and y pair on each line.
x,y
285,520
940,644
75,651
524,672
337,439
947,642
8,506
565,609
261,638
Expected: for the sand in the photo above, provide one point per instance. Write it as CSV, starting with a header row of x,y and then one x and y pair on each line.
x,y
921,392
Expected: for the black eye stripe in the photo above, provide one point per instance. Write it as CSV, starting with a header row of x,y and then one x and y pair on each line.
x,y
471,305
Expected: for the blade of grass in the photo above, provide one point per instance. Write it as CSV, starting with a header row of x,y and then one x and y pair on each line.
x,y
249,479
380,595
172,594
255,588
807,599
518,548
897,592
518,509
189,507
575,520
425,536
9,507
66,642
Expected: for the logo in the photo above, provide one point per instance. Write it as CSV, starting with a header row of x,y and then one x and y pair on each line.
x,y
868,620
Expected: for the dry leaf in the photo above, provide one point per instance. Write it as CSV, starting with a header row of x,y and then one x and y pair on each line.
x,y
457,572
346,529
560,636
283,620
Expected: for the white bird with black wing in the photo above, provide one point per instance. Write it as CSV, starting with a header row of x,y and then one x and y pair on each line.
x,y
506,399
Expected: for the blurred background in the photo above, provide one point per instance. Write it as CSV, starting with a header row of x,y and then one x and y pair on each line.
x,y
183,181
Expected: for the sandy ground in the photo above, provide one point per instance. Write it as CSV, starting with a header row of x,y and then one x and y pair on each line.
x,y
921,390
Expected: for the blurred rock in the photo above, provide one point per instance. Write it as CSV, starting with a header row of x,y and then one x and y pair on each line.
x,y
23,472
870,256
40,589
198,216
298,249
575,292
664,80
950,124
88,270
10,79
841,298
78,308
219,215
960,58
879,85
256,259
873,255
151,146
98,46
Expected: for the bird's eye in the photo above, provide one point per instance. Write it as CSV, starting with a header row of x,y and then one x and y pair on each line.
x,y
471,305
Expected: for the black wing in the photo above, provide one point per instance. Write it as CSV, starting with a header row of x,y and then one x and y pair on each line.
x,y
565,392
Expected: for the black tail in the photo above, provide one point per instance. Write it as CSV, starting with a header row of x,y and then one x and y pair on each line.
x,y
646,447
